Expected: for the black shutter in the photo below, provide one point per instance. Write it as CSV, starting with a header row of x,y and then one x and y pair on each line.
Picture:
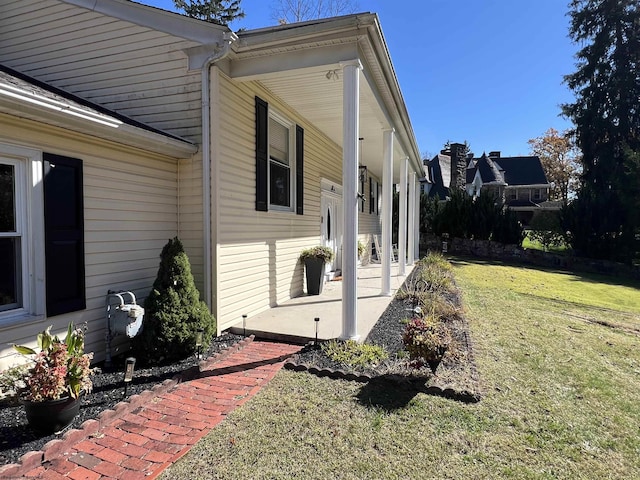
x,y
299,170
262,148
63,234
377,198
371,196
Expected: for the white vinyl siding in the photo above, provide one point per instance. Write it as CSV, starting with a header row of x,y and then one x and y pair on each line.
x,y
130,69
258,252
130,211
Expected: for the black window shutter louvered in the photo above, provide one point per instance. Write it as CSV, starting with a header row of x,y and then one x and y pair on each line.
x,y
262,148
299,170
371,196
64,234
377,198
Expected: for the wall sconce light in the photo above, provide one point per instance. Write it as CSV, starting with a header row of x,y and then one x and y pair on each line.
x,y
362,171
317,321
199,340
128,373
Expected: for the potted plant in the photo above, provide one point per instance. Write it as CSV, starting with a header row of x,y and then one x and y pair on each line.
x,y
314,261
56,378
362,248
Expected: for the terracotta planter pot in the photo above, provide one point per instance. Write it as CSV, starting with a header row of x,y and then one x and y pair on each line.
x,y
315,275
51,415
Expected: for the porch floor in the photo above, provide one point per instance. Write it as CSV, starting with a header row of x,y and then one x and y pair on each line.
x,y
293,321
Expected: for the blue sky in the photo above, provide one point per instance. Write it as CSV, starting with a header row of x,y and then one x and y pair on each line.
x,y
485,71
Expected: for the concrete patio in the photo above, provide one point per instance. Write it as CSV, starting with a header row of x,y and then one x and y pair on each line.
x,y
293,321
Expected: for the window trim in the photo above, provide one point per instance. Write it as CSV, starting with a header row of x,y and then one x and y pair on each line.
x,y
291,129
29,193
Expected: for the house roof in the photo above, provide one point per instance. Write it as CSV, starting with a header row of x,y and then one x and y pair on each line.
x,y
440,172
522,170
30,93
489,171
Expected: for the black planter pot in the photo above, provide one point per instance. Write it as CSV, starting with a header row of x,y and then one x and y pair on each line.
x,y
315,275
51,416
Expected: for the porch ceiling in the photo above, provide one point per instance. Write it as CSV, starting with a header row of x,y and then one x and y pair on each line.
x,y
301,64
319,99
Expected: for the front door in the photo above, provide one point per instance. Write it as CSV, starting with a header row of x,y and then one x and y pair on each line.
x,y
331,218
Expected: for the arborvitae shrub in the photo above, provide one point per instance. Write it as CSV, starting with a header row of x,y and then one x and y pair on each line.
x,y
173,311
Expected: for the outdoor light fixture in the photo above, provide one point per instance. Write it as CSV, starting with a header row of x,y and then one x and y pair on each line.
x,y
317,321
244,325
362,169
128,372
199,337
445,238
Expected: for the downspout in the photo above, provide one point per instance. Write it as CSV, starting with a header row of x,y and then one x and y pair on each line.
x,y
228,39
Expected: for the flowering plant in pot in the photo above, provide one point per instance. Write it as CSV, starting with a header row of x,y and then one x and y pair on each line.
x,y
314,260
55,378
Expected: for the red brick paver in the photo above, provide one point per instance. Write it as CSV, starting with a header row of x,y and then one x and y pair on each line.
x,y
143,443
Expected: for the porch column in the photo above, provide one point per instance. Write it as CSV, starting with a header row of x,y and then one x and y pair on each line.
x,y
402,218
387,200
412,218
416,246
350,134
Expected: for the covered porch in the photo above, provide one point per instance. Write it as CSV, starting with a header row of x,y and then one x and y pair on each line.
x,y
293,321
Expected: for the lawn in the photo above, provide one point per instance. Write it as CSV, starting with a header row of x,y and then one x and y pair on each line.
x,y
561,396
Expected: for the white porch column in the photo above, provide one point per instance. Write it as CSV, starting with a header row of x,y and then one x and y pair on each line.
x,y
416,245
402,218
350,133
412,219
387,200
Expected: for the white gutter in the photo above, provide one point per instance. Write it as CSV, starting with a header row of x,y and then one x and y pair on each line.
x,y
56,106
228,38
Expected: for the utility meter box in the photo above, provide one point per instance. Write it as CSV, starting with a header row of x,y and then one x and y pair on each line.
x,y
124,318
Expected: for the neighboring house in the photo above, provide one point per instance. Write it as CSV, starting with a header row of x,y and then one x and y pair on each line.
x,y
519,181
246,146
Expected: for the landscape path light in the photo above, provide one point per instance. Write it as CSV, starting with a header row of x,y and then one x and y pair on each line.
x,y
199,338
128,372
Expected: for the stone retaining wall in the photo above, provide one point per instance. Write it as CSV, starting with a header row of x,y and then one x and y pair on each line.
x,y
515,253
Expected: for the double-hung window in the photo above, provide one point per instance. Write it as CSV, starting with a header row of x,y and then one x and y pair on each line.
x,y
41,234
279,161
12,234
281,144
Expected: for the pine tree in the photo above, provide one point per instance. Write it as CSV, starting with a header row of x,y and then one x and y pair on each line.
x,y
604,220
173,311
222,12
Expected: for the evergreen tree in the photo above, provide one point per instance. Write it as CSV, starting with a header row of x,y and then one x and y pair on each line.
x,y
173,311
222,12
604,221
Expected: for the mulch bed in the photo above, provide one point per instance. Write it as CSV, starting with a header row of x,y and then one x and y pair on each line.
x,y
456,377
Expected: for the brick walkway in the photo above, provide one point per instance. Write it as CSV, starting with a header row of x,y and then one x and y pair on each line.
x,y
144,442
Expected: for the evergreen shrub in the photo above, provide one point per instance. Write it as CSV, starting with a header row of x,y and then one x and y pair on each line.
x,y
173,311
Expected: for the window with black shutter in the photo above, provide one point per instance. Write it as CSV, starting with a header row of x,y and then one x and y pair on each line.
x,y
64,234
279,161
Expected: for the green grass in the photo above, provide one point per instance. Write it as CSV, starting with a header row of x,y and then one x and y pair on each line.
x,y
535,245
561,399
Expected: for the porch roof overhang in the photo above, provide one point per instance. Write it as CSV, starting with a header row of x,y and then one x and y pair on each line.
x,y
302,64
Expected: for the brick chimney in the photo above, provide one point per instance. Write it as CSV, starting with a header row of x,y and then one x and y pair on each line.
x,y
494,154
458,166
